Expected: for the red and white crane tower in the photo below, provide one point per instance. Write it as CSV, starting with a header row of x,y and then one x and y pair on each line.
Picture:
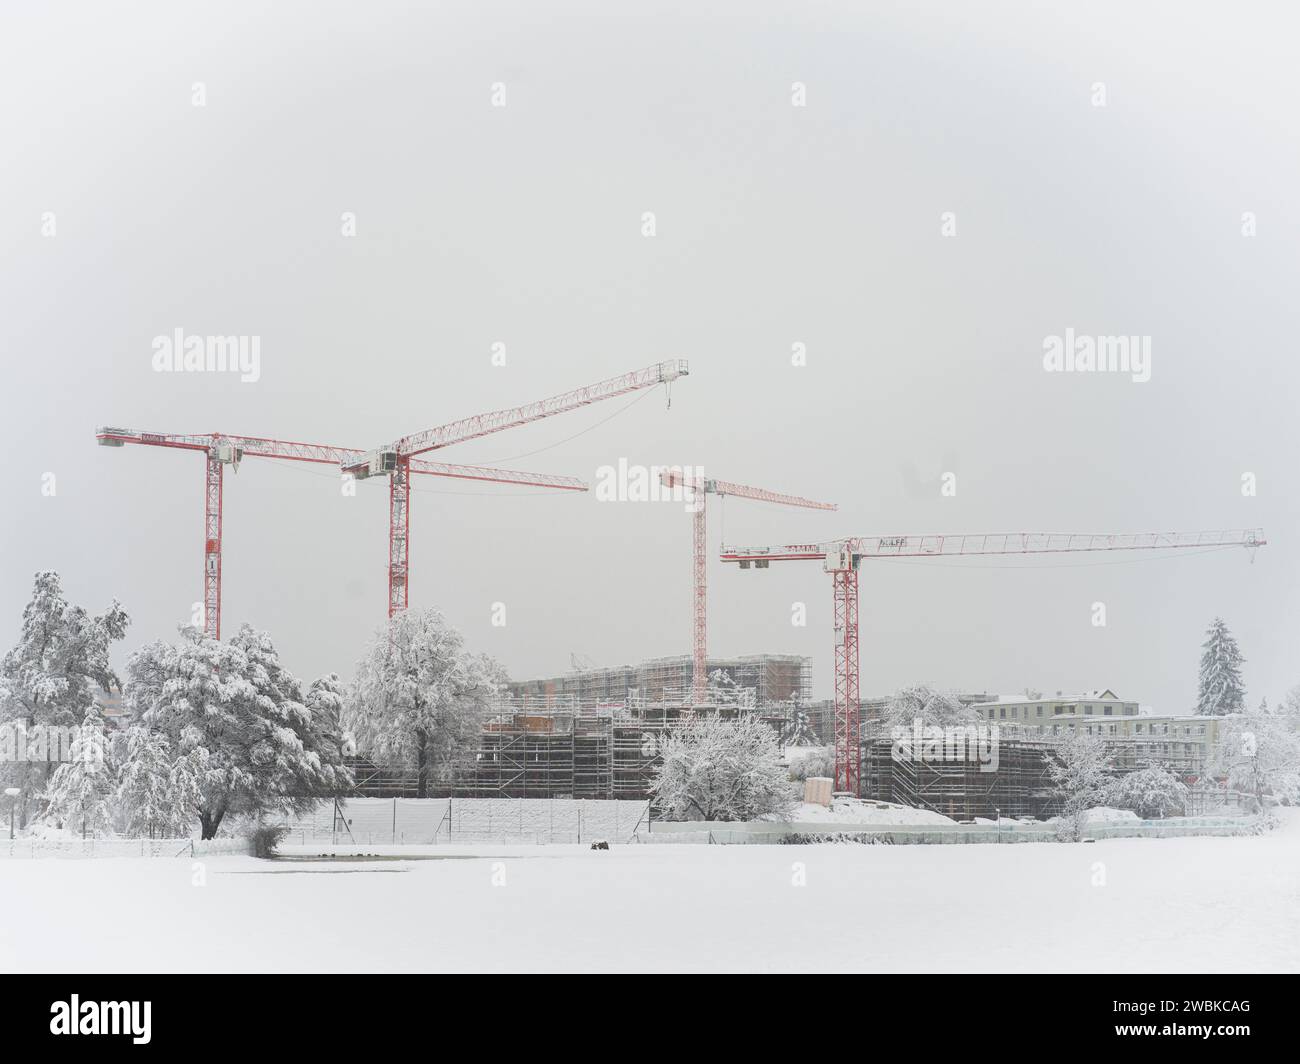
x,y
395,460
221,450
701,489
840,558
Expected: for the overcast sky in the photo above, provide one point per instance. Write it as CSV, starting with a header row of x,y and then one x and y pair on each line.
x,y
775,225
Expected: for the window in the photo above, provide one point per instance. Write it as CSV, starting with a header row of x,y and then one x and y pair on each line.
x,y
1003,713
1108,711
1040,711
1087,709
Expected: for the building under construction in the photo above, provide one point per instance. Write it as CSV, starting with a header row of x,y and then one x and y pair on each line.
x,y
1018,784
759,679
602,754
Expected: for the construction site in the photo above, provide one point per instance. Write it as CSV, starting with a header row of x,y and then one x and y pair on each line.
x,y
593,740
598,732
750,681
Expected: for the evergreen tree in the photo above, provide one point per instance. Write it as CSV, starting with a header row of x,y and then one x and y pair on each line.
x,y
80,791
797,729
50,676
325,701
1220,691
239,715
156,795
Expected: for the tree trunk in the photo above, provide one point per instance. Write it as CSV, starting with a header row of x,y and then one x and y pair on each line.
x,y
421,765
209,823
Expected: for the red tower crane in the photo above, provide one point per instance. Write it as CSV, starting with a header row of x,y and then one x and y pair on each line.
x,y
222,449
841,558
395,460
701,489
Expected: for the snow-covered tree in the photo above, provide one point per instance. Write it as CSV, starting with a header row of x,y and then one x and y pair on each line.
x,y
812,761
1078,772
932,707
798,729
49,678
235,701
79,794
1258,754
1289,710
326,698
157,795
1148,792
420,698
717,769
1220,690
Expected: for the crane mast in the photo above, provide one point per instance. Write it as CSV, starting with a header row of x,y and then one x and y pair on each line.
x,y
222,449
701,488
395,459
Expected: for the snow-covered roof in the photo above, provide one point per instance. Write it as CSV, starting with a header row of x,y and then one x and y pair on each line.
x,y
1103,695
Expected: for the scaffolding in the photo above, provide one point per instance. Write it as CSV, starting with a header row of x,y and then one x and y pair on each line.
x,y
611,754
963,789
760,679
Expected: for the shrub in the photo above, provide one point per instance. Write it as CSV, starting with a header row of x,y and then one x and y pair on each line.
x,y
267,838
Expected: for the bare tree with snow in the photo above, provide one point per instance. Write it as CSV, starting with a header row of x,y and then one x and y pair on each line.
x,y
1078,772
1258,754
420,698
930,706
716,769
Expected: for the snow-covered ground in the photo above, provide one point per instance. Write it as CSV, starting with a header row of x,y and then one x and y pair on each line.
x,y
1193,904
876,814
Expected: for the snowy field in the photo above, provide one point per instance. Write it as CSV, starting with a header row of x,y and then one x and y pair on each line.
x,y
1195,904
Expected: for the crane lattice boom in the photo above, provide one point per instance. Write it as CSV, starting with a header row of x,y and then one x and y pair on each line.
x,y
221,449
841,558
395,461
472,428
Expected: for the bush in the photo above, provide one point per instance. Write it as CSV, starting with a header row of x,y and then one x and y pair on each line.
x,y
716,769
1151,793
267,838
814,838
819,761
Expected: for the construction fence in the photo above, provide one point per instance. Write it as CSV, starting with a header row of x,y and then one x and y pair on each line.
x,y
434,821
729,834
90,847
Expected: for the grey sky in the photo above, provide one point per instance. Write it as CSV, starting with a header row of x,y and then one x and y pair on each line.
x,y
775,225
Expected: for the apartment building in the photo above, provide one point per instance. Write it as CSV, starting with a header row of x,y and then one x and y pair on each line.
x,y
1183,744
